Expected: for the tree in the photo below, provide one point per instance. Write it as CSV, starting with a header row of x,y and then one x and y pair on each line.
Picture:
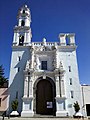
x,y
14,104
2,77
76,107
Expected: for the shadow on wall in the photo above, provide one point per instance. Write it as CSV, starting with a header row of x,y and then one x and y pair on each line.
x,y
16,90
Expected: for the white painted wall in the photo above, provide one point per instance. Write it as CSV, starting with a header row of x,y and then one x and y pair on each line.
x,y
85,97
68,58
16,79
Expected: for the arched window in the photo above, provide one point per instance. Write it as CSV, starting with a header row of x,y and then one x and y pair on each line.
x,y
23,11
67,40
22,23
21,40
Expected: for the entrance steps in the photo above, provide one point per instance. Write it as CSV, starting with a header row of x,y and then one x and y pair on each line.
x,y
43,116
48,116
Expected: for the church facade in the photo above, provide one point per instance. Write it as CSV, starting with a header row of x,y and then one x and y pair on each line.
x,y
43,75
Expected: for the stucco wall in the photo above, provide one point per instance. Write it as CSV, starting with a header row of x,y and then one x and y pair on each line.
x,y
3,96
69,58
16,80
85,97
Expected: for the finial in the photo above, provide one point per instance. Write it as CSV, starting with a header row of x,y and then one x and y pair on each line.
x,y
44,39
25,5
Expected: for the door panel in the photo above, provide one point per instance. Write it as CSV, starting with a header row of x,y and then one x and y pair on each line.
x,y
44,98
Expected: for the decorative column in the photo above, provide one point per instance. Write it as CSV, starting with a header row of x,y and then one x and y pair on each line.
x,y
57,86
32,58
28,36
16,38
27,109
18,35
61,74
25,39
60,99
62,88
56,60
26,87
30,88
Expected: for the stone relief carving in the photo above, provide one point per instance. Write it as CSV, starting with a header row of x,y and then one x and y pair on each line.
x,y
61,66
37,63
54,62
43,48
28,65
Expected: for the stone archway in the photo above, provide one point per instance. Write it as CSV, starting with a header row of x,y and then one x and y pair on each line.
x,y
45,97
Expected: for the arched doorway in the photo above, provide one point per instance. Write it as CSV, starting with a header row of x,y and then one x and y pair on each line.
x,y
45,97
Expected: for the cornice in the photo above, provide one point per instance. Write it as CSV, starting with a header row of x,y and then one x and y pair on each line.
x,y
67,47
21,46
21,28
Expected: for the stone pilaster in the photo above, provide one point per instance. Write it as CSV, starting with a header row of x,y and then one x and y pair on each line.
x,y
30,88
57,87
62,88
27,109
56,60
15,37
25,38
32,59
26,86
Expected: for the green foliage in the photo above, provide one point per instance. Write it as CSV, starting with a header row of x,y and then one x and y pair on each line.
x,y
76,107
2,77
14,104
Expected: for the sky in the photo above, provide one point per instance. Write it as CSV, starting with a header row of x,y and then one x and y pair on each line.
x,y
49,18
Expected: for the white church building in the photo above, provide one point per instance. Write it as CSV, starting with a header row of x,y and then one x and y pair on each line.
x,y
43,75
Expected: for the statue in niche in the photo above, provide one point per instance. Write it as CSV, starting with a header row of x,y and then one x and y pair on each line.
x,y
61,66
42,48
28,64
36,62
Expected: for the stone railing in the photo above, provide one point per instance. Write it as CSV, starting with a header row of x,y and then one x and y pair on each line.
x,y
47,43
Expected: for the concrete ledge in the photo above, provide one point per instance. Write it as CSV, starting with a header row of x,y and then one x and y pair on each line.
x,y
14,114
27,114
61,113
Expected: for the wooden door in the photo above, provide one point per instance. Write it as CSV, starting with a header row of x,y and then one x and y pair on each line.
x,y
44,98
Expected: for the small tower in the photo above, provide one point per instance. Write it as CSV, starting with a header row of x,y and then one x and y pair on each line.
x,y
72,39
22,32
67,39
20,55
62,38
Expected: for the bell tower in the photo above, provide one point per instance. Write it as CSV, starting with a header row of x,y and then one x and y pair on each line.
x,y
22,31
20,55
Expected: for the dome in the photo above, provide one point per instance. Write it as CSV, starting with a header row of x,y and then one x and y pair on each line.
x,y
24,11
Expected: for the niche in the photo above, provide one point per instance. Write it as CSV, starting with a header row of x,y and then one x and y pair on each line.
x,y
21,40
23,11
22,23
67,40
